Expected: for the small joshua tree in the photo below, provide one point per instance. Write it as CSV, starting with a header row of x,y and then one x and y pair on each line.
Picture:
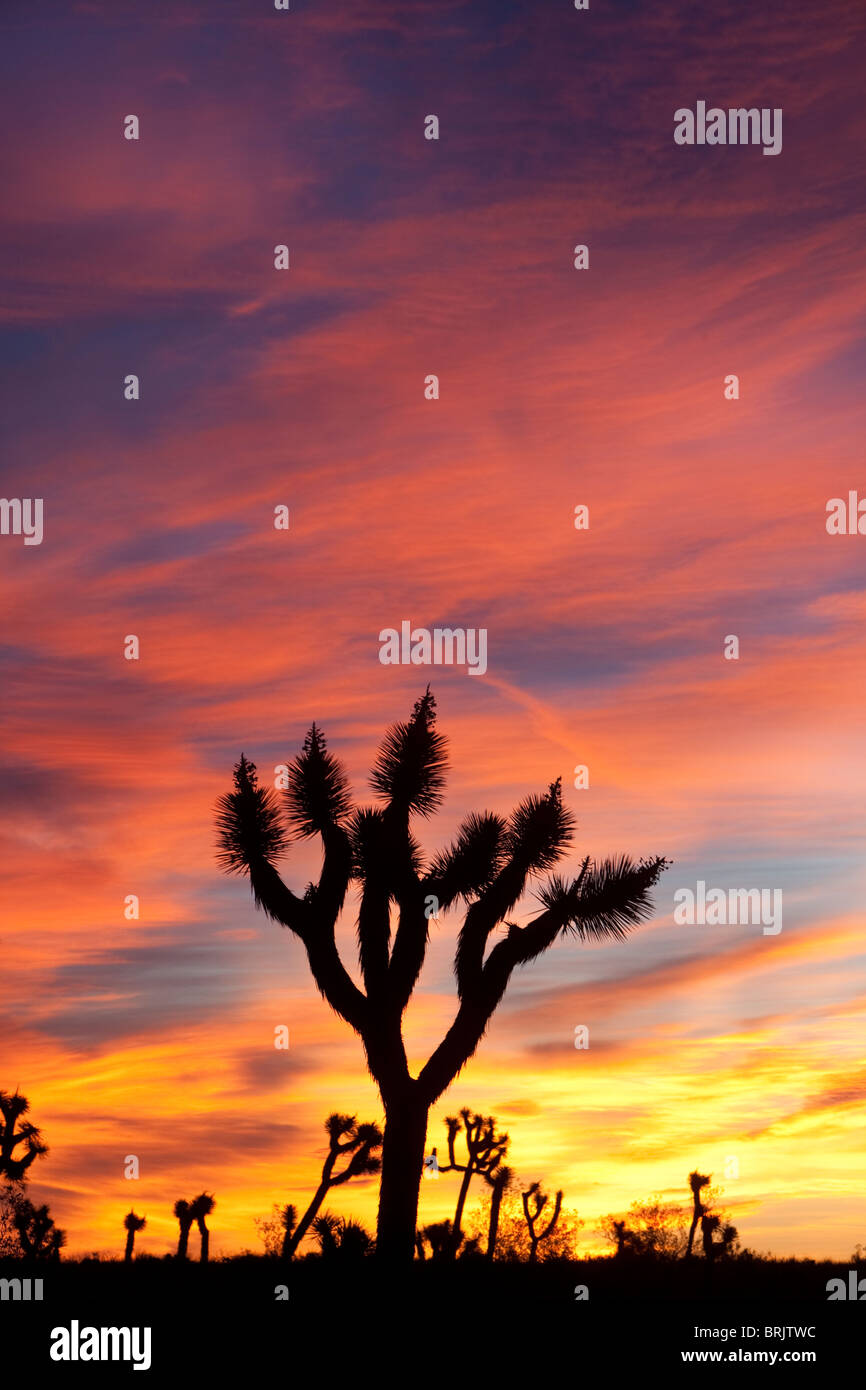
x,y
200,1207
500,1182
132,1223
485,1150
345,1136
288,1218
539,1201
697,1182
185,1219
621,1235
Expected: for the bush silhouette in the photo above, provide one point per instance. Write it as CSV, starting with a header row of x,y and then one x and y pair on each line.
x,y
341,1238
40,1238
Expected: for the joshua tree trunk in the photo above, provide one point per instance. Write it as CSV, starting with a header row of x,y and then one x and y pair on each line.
x,y
694,1226
457,1230
292,1242
205,1242
402,1166
130,1241
697,1182
182,1242
493,1229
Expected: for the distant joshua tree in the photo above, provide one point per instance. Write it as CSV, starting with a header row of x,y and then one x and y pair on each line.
x,y
185,1218
621,1235
539,1201
485,1150
132,1223
500,1181
490,867
345,1136
200,1207
288,1217
697,1182
39,1237
14,1167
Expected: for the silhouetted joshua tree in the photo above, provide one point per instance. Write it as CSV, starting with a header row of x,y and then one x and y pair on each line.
x,y
345,1136
40,1239
185,1218
200,1207
288,1217
697,1182
14,1167
499,1181
489,868
539,1202
622,1235
132,1223
485,1150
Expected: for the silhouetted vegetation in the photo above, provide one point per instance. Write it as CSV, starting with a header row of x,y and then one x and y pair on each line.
x,y
341,1238
132,1224
485,1150
200,1207
16,1133
655,1229
534,1203
513,1243
488,868
345,1137
439,1236
697,1182
40,1238
185,1219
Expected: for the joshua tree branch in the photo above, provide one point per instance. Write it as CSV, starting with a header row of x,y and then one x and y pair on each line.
x,y
300,916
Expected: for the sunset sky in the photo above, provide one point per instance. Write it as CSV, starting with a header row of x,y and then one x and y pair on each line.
x,y
558,387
